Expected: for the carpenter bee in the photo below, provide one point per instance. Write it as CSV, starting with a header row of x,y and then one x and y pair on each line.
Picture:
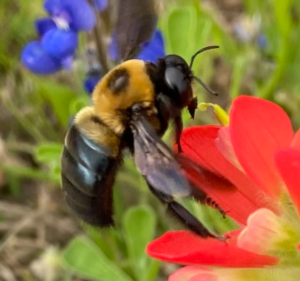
x,y
132,107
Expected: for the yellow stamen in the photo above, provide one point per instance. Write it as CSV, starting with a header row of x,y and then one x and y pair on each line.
x,y
220,113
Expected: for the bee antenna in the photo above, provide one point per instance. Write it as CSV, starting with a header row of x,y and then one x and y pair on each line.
x,y
201,51
204,86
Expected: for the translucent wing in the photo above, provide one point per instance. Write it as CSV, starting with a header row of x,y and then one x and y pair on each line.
x,y
164,176
156,162
136,22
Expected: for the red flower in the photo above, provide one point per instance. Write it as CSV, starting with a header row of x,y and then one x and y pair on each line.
x,y
260,155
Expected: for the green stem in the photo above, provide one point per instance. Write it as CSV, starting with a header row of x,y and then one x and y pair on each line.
x,y
237,75
98,37
267,92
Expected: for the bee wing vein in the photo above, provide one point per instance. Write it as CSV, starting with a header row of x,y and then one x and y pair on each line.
x,y
156,163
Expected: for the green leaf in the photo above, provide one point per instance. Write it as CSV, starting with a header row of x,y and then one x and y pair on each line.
x,y
48,152
180,27
78,103
104,239
58,96
151,271
283,16
139,226
85,259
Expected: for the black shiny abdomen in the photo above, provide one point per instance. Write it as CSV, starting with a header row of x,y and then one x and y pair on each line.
x,y
88,173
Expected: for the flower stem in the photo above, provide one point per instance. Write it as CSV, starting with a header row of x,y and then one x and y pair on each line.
x,y
98,36
267,92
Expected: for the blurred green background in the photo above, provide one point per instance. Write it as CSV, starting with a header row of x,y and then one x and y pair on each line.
x,y
39,238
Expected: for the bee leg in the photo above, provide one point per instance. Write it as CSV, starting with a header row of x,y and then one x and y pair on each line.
x,y
212,203
195,191
193,106
203,198
178,131
184,216
192,223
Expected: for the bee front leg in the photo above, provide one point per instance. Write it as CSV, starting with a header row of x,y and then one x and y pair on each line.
x,y
178,130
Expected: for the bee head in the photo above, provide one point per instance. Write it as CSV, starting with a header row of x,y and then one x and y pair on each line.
x,y
178,77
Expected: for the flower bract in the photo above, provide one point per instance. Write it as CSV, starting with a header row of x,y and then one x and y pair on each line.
x,y
259,153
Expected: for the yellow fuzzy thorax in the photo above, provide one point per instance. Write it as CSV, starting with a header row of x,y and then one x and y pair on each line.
x,y
139,89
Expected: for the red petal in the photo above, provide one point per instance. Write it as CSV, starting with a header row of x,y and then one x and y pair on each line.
x,y
186,248
258,128
296,140
288,163
241,196
224,145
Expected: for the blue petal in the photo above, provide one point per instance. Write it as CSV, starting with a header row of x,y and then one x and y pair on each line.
x,y
150,51
78,13
101,5
262,41
67,63
37,60
158,39
56,10
82,14
113,48
153,49
43,25
53,7
90,83
148,55
60,43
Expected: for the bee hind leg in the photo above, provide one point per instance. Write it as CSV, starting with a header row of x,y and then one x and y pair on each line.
x,y
202,197
190,221
182,215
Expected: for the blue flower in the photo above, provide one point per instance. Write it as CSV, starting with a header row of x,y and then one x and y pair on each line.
x,y
262,41
153,49
92,79
113,48
101,5
77,13
90,83
60,43
59,35
150,51
43,25
37,60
